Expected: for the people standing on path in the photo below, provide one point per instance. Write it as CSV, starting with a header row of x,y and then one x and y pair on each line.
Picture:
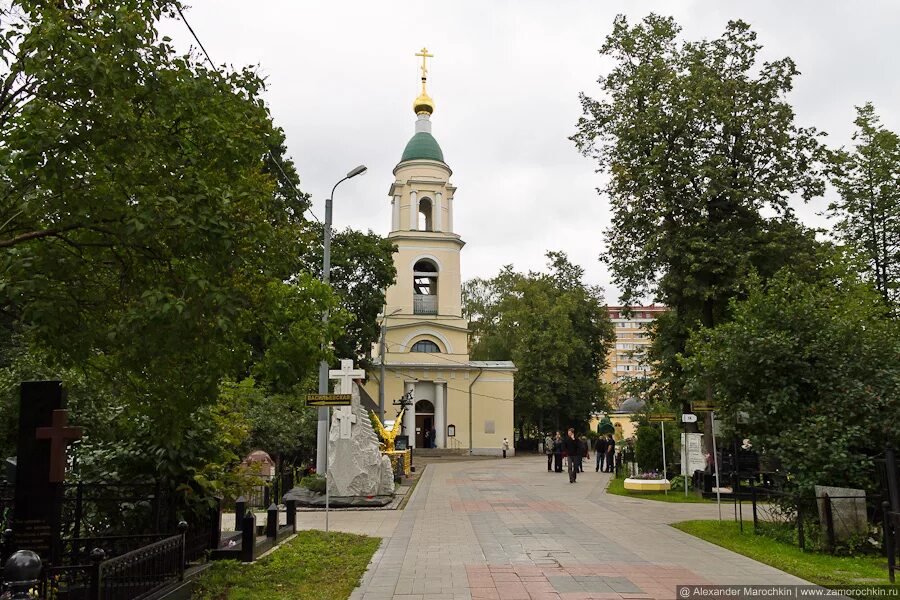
x,y
548,450
600,450
583,455
573,452
505,446
557,453
610,454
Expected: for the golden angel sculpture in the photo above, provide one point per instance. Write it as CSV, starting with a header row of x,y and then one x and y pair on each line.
x,y
387,436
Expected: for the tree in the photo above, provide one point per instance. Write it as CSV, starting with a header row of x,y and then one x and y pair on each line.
x,y
816,366
703,155
868,210
362,268
557,331
147,239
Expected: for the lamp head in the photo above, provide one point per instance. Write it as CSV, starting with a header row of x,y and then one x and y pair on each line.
x,y
357,171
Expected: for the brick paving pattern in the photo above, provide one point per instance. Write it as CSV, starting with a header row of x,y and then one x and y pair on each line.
x,y
508,530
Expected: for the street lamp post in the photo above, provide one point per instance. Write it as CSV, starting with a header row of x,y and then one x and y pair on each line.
x,y
381,376
322,430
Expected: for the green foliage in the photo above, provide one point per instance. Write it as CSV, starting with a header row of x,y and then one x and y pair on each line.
x,y
315,483
557,331
648,448
699,142
868,209
151,249
816,365
280,423
143,237
313,566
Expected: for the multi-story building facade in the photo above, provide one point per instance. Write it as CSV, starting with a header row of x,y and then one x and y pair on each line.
x,y
627,359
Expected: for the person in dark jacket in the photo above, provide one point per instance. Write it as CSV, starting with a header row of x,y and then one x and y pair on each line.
x,y
610,454
557,453
585,453
572,448
600,449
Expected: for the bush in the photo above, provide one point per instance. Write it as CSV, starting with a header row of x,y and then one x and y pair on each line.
x,y
647,450
314,483
678,482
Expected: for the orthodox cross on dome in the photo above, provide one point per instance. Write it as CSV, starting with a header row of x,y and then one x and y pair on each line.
x,y
60,434
424,54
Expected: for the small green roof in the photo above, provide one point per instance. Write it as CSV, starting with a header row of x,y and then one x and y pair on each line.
x,y
422,145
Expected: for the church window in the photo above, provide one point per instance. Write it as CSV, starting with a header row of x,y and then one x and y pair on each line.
x,y
425,279
425,346
425,220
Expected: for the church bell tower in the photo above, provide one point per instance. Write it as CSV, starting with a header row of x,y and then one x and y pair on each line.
x,y
452,404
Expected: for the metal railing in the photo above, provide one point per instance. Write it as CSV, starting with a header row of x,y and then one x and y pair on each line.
x,y
424,304
141,572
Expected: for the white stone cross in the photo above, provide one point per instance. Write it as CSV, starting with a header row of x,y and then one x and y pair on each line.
x,y
346,418
346,374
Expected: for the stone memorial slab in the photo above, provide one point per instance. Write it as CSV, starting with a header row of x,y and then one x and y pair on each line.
x,y
848,511
355,464
692,452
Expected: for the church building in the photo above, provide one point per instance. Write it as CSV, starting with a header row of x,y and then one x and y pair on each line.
x,y
455,403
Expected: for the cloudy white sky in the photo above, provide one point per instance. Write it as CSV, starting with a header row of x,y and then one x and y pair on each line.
x,y
505,79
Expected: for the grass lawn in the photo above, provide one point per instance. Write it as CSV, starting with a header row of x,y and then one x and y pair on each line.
x,y
821,569
617,487
314,565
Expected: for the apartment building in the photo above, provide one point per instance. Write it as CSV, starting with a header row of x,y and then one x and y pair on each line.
x,y
628,358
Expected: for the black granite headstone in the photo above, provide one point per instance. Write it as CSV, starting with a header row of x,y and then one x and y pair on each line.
x,y
38,501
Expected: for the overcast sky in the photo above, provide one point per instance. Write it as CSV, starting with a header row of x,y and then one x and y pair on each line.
x,y
505,79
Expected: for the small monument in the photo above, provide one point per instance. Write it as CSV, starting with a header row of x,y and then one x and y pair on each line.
x,y
44,433
357,473
355,464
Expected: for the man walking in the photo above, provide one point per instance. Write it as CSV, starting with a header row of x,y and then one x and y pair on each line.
x,y
573,452
600,449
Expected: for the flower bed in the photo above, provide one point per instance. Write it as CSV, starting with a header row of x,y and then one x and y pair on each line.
x,y
640,484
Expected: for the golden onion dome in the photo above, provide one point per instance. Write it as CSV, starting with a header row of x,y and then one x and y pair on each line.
x,y
423,103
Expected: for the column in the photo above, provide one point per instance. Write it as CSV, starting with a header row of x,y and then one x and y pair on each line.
x,y
438,221
395,213
440,410
409,417
413,210
450,214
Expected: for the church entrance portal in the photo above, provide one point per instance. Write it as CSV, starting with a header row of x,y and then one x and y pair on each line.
x,y
424,423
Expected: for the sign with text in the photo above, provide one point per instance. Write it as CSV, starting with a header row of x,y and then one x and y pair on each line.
x,y
660,417
703,406
328,399
688,418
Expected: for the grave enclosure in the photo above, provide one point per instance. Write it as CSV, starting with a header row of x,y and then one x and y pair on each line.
x,y
105,540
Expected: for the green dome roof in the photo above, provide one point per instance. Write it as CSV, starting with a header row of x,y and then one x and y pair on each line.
x,y
422,145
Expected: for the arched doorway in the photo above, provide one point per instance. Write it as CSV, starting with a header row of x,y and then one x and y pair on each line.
x,y
424,423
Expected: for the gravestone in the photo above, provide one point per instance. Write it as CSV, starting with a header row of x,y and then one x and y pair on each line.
x,y
40,468
692,457
355,464
848,511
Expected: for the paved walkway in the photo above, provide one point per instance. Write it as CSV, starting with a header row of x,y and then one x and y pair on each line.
x,y
509,530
